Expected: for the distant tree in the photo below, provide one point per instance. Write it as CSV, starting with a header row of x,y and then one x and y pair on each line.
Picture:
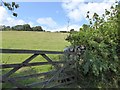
x,y
63,31
37,28
57,31
27,27
5,28
85,27
72,30
2,27
8,27
18,27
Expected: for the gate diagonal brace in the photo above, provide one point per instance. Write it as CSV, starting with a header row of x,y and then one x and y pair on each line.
x,y
6,76
50,61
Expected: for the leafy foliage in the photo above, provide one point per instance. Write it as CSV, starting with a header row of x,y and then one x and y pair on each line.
x,y
99,65
11,6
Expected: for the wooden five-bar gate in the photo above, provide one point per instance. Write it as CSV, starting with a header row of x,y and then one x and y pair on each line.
x,y
61,76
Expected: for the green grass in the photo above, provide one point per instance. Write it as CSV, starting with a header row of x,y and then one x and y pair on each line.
x,y
33,41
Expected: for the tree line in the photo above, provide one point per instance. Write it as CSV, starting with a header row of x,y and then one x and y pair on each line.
x,y
25,27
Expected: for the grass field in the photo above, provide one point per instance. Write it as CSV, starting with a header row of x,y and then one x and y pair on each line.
x,y
32,41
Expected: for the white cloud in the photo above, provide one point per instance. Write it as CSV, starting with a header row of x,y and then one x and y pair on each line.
x,y
9,20
6,19
47,21
3,13
64,28
110,1
76,9
31,24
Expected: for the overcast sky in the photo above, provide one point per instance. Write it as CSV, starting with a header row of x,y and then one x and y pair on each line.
x,y
55,14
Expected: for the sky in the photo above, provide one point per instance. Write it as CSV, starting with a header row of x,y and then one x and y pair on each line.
x,y
53,15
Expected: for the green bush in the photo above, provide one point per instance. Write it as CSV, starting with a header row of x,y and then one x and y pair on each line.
x,y
99,65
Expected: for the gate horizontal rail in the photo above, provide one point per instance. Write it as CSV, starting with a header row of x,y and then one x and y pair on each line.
x,y
30,64
19,51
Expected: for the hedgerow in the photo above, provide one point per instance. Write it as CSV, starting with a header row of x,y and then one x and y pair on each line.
x,y
99,66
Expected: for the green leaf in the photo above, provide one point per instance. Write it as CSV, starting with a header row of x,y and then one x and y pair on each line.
x,y
87,16
17,6
10,8
6,4
15,14
86,67
90,22
13,4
